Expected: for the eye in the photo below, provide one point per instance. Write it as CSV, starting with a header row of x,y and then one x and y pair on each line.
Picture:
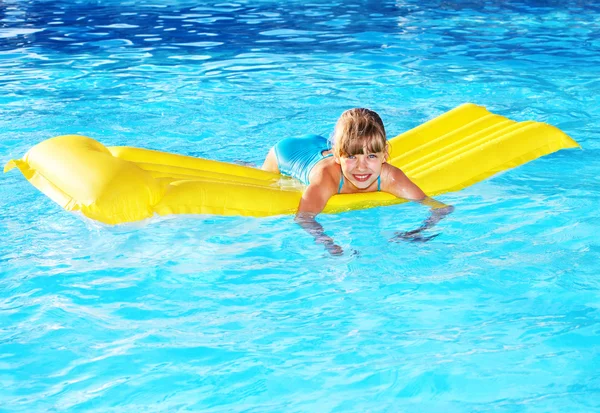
x,y
351,156
372,156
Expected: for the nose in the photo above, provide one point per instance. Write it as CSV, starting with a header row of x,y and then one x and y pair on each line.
x,y
362,161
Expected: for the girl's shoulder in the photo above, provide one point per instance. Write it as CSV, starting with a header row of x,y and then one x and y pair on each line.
x,y
396,182
391,177
389,171
325,172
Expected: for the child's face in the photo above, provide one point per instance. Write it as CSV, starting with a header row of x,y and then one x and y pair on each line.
x,y
362,169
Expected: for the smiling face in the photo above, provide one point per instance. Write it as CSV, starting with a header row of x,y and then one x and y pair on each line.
x,y
360,146
362,170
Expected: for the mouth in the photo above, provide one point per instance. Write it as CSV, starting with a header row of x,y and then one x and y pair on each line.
x,y
362,178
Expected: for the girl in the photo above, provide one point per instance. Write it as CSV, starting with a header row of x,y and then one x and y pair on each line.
x,y
356,163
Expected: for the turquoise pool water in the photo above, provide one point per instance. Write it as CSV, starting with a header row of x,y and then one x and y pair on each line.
x,y
501,312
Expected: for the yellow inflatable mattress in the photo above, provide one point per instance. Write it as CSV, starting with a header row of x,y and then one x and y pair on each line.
x,y
122,184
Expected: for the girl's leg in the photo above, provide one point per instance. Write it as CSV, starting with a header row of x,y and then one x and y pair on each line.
x,y
270,163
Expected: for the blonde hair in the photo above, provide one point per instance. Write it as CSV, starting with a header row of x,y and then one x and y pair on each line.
x,y
359,129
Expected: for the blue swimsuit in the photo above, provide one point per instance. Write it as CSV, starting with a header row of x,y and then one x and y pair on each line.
x,y
296,157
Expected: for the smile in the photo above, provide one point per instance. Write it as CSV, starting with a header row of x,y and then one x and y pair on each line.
x,y
362,178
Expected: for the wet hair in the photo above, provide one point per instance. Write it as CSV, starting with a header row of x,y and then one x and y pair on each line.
x,y
357,129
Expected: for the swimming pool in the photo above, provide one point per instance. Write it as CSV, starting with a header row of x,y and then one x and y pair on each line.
x,y
227,314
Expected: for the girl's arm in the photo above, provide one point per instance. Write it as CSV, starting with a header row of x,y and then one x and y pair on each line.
x,y
398,184
313,201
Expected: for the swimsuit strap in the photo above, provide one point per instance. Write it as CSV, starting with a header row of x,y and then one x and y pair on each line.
x,y
379,183
341,183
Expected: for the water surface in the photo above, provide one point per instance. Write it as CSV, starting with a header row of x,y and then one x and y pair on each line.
x,y
228,314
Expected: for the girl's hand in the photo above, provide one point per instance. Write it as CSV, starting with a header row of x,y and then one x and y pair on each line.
x,y
437,215
334,249
413,236
330,246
